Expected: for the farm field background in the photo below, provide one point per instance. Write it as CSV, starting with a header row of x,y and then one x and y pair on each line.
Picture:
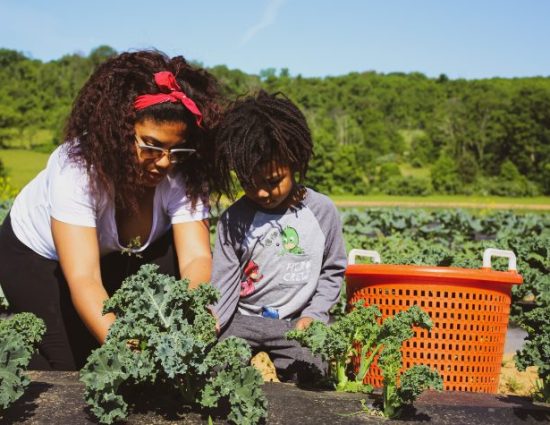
x,y
23,165
444,201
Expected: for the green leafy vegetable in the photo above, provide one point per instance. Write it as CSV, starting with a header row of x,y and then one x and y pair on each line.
x,y
165,336
394,331
536,351
19,338
339,343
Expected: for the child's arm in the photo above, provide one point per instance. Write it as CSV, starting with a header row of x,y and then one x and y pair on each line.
x,y
332,270
226,273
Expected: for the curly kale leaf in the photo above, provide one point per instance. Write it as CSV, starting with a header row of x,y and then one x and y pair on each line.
x,y
413,382
231,353
106,370
338,343
164,335
536,351
396,330
242,386
19,338
318,338
13,358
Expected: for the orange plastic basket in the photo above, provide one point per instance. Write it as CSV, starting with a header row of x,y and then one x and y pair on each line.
x,y
469,309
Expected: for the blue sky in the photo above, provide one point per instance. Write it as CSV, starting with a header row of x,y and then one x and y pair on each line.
x,y
461,38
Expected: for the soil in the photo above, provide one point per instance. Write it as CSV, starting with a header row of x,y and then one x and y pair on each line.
x,y
57,398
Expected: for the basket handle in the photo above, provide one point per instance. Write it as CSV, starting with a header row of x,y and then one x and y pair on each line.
x,y
493,252
374,255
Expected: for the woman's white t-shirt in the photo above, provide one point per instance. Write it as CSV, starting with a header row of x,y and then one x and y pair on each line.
x,y
62,191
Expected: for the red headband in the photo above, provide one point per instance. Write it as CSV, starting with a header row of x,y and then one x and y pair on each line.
x,y
170,92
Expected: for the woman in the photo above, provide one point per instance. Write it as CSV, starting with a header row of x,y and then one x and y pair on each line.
x,y
131,178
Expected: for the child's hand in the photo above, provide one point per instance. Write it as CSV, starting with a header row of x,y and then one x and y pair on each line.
x,y
303,323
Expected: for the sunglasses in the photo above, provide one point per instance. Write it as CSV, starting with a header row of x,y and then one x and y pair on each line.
x,y
155,153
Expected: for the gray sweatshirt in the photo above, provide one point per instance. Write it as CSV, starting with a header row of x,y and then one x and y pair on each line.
x,y
279,264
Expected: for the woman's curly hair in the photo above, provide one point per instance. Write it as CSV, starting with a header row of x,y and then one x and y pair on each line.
x,y
100,128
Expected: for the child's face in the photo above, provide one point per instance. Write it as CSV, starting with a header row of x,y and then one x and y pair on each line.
x,y
271,186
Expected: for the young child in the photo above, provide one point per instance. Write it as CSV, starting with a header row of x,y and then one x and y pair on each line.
x,y
279,257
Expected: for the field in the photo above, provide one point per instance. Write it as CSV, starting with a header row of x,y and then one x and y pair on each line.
x,y
541,203
22,165
458,238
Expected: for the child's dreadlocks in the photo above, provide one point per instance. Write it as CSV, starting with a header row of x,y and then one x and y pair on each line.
x,y
260,129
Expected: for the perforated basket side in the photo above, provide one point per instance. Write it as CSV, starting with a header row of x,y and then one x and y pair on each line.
x,y
467,341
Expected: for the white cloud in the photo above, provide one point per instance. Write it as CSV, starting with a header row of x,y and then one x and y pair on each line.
x,y
269,16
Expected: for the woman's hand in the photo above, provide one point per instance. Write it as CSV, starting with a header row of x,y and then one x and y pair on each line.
x,y
192,243
78,251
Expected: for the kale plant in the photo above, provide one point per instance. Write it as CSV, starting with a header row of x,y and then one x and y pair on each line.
x,y
19,338
393,333
536,351
165,336
359,333
338,345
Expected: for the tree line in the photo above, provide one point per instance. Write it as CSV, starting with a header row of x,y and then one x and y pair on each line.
x,y
396,133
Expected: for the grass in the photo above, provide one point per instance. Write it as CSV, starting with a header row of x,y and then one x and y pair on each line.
x,y
538,200
30,138
445,201
22,165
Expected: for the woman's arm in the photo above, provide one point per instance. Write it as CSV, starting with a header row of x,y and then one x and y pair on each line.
x,y
78,251
192,243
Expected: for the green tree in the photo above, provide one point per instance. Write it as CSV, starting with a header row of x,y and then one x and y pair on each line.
x,y
444,176
101,54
